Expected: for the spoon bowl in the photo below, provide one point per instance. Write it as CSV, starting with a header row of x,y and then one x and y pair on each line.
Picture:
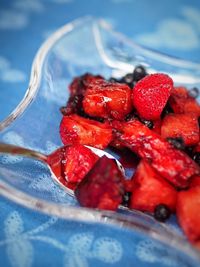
x,y
54,160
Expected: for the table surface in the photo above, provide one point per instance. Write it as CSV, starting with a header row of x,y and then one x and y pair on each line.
x,y
171,27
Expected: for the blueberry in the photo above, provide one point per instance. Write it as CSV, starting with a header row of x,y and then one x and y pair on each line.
x,y
63,111
196,157
162,212
139,73
189,151
128,79
167,109
148,123
131,116
194,92
177,142
126,198
113,80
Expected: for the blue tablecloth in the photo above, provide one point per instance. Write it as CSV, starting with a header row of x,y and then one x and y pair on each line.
x,y
172,27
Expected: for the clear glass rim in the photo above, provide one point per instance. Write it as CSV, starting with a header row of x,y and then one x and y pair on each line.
x,y
159,232
76,213
35,76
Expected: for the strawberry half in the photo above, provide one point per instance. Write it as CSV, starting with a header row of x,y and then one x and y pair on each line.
x,y
102,187
181,102
185,126
78,160
77,90
188,203
150,190
150,95
157,126
170,163
107,100
71,163
195,181
75,129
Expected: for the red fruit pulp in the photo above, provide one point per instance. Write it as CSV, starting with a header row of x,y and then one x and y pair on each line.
x,y
172,164
102,187
150,189
70,164
107,100
75,129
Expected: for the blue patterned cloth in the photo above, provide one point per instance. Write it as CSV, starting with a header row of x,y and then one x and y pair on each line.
x,y
27,238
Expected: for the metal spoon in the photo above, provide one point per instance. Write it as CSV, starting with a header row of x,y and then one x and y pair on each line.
x,y
53,160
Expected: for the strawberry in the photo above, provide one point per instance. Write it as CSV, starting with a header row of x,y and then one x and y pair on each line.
x,y
71,163
102,187
185,126
188,215
150,95
170,163
150,190
181,102
195,181
157,126
78,160
79,84
78,130
77,90
197,148
117,144
107,100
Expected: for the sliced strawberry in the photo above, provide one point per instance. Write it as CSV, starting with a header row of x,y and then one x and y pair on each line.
x,y
77,90
187,209
197,148
170,163
195,181
102,187
157,126
107,100
128,184
78,160
150,95
71,163
78,130
185,126
79,84
151,190
117,144
181,102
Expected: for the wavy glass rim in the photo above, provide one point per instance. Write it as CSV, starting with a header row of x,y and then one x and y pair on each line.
x,y
163,233
35,76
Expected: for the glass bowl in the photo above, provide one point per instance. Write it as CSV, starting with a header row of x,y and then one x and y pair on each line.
x,y
88,45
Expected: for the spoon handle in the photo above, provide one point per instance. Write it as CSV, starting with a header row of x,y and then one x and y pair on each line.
x,y
21,151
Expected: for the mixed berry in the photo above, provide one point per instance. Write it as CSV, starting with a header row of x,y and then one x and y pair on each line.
x,y
147,117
